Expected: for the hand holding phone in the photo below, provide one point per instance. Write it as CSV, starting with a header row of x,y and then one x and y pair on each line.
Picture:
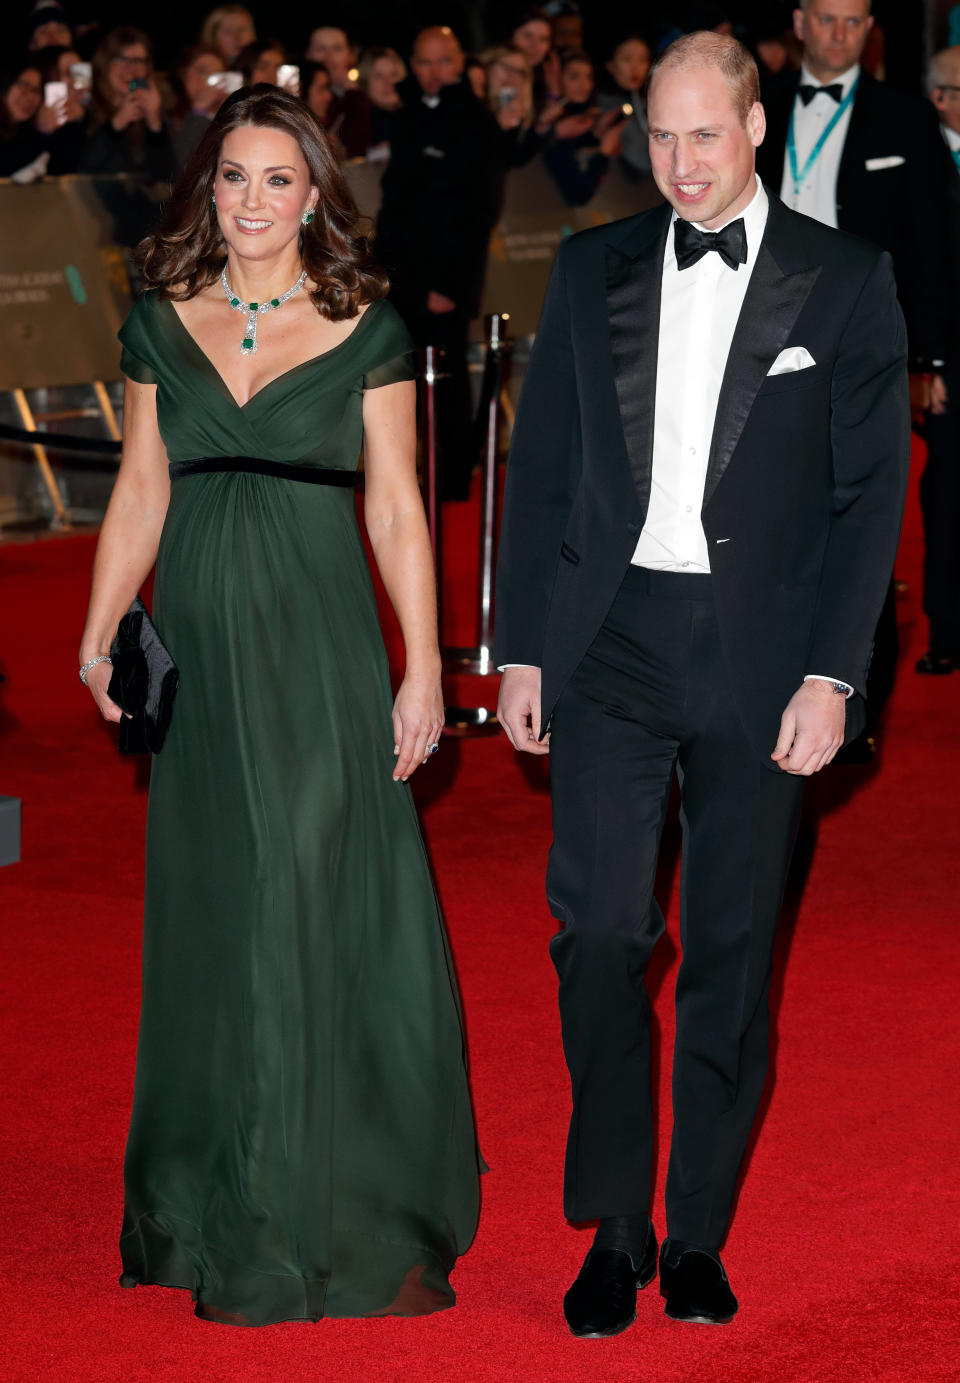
x,y
288,78
53,112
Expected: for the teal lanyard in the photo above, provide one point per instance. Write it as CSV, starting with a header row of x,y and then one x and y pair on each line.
x,y
955,155
799,175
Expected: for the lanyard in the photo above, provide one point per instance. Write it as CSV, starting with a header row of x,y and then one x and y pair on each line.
x,y
799,175
955,155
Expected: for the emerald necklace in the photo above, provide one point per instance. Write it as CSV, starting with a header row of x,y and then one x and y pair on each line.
x,y
249,343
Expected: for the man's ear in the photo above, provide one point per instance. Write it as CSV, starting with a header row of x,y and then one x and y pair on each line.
x,y
756,124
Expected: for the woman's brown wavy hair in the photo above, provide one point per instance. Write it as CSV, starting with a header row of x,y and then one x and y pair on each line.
x,y
187,253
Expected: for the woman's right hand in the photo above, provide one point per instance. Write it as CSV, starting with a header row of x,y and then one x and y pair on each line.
x,y
98,679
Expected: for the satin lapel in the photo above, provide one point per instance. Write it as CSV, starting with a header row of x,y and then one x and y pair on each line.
x,y
634,277
772,305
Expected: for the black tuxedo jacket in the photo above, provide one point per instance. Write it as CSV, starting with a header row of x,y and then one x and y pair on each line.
x,y
952,179
806,475
900,207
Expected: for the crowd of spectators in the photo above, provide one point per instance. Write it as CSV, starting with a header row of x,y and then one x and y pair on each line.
x,y
94,102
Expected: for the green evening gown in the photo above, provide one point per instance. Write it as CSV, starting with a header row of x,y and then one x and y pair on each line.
x,y
302,1141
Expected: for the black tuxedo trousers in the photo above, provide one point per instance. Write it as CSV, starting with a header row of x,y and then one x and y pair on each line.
x,y
653,697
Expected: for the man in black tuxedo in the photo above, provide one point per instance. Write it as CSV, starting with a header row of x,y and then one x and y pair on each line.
x,y
867,158
441,197
940,485
701,511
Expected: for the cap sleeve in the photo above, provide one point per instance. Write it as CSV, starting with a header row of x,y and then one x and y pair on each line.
x,y
136,353
394,358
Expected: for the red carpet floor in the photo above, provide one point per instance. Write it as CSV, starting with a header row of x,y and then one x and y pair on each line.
x,y
843,1251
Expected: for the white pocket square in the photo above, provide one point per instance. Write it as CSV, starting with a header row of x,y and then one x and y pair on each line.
x,y
873,165
793,358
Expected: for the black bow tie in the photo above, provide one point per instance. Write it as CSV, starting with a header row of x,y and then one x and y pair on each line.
x,y
690,244
834,91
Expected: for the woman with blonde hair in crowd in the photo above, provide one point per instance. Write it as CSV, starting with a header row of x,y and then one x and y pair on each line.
x,y
229,29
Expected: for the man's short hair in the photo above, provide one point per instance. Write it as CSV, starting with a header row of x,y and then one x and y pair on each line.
x,y
708,49
805,5
944,68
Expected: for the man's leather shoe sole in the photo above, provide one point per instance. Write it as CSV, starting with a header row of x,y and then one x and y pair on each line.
x,y
696,1289
603,1299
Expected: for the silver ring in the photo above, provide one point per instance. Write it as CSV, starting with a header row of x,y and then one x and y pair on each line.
x,y
432,748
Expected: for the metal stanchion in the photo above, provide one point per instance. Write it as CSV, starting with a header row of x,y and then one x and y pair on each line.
x,y
432,474
478,658
60,519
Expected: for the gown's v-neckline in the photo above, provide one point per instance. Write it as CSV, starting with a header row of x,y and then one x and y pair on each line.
x,y
285,374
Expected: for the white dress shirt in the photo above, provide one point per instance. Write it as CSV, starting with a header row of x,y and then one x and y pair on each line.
x,y
818,191
699,309
952,138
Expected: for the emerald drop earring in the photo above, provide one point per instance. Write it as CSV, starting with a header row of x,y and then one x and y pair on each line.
x,y
306,218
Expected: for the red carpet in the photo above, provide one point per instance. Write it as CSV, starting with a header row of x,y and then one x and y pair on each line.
x,y
843,1251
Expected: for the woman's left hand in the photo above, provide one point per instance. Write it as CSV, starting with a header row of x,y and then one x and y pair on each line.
x,y
417,723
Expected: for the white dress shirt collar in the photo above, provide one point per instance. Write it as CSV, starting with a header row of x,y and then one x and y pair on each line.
x,y
952,137
846,79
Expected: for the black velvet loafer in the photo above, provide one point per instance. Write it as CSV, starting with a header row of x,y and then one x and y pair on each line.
x,y
695,1287
603,1299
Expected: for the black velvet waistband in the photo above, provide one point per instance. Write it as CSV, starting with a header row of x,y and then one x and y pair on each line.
x,y
285,470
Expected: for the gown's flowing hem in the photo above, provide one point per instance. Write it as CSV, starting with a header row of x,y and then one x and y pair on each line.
x,y
231,1293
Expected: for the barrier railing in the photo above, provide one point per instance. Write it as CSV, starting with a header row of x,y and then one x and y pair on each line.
x,y
476,658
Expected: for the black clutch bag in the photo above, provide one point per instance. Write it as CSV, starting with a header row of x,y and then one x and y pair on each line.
x,y
144,682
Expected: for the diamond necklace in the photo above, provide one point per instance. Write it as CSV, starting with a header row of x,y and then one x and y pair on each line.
x,y
249,343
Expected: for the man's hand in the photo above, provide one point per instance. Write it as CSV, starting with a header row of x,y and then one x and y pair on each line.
x,y
811,729
518,709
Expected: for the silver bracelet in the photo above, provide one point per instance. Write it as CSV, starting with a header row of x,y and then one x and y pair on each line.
x,y
101,658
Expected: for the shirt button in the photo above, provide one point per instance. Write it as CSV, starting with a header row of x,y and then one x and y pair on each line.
x,y
691,451
684,564
689,508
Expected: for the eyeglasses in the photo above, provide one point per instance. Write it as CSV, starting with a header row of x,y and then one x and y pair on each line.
x,y
130,62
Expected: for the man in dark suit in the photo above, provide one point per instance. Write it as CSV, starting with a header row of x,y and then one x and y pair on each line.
x,y
701,511
940,485
858,154
878,171
441,198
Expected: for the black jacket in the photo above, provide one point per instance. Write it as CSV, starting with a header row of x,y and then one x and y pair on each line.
x,y
441,197
952,180
806,475
900,207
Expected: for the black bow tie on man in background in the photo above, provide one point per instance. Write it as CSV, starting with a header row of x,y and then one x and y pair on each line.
x,y
691,244
834,91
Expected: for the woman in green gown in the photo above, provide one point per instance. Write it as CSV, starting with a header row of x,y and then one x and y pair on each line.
x,y
302,1142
